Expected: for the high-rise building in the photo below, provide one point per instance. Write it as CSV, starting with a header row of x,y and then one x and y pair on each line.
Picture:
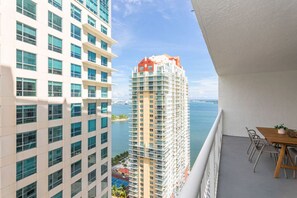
x,y
159,136
55,98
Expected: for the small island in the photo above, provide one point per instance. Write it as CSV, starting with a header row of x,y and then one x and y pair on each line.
x,y
121,117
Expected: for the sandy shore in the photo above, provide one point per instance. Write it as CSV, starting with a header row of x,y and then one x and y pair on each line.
x,y
120,120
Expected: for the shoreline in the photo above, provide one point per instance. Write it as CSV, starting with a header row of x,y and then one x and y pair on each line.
x,y
120,120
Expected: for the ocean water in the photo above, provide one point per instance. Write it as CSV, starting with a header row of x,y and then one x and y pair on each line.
x,y
202,116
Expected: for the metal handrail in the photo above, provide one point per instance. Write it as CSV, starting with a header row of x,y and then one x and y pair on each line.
x,y
191,189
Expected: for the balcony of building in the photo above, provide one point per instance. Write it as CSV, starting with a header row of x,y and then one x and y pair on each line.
x,y
253,47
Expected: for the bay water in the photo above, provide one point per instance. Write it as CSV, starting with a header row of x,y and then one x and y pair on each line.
x,y
202,116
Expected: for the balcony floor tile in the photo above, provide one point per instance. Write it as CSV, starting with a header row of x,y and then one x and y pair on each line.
x,y
237,179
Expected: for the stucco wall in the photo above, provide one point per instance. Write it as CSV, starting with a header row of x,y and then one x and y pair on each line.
x,y
260,99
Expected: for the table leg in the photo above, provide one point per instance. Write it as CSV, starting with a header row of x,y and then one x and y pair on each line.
x,y
280,161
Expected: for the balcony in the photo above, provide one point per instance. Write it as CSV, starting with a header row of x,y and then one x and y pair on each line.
x,y
87,64
93,47
99,33
257,87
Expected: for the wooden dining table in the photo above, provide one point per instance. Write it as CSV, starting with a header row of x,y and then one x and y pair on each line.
x,y
284,140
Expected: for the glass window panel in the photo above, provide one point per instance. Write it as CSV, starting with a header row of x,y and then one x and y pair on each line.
x,y
104,10
104,61
75,188
104,76
26,33
75,12
91,21
92,142
75,71
75,148
104,92
91,39
75,109
104,107
104,168
104,137
92,5
54,66
56,3
103,29
91,159
91,108
75,129
29,191
26,114
54,21
104,45
92,56
55,111
55,156
103,153
75,90
104,122
27,8
75,168
91,125
54,44
26,168
25,60
104,183
75,51
91,74
25,87
75,32
91,91
55,179
26,141
92,177
55,134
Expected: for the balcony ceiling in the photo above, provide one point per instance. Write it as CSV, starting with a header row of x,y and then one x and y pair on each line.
x,y
249,36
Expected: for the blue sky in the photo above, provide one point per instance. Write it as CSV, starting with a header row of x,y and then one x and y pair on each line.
x,y
151,27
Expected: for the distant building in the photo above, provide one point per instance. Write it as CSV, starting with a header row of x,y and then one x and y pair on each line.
x,y
55,98
159,136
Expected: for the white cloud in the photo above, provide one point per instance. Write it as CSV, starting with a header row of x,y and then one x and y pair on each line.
x,y
206,88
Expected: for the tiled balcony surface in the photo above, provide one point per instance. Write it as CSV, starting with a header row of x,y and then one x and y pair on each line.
x,y
237,179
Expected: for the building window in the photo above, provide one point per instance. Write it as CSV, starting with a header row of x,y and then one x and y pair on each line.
x,y
25,60
56,3
104,107
25,87
104,61
104,92
55,156
75,188
104,76
91,142
29,191
54,66
75,32
91,39
105,195
75,109
25,141
103,153
92,193
92,177
58,195
55,134
55,111
75,90
92,56
55,89
91,74
91,108
27,8
104,183
92,5
75,71
75,129
75,168
25,168
54,21
91,159
103,45
75,12
75,51
91,91
91,21
26,33
104,137
54,44
104,122
26,114
75,148
104,10
55,179
104,168
91,125
103,29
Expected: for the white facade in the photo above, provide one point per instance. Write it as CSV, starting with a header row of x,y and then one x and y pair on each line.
x,y
12,161
159,135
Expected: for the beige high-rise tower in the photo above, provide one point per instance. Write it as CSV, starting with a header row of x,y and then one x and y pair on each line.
x,y
55,98
159,134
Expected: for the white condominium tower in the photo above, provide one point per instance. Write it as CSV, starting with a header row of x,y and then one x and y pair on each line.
x,y
55,98
159,136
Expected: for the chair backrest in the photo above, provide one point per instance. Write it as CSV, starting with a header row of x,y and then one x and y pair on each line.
x,y
257,141
251,133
